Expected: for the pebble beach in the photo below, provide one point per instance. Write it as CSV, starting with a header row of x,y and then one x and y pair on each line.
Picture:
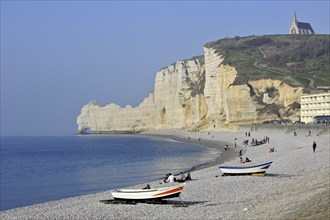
x,y
296,186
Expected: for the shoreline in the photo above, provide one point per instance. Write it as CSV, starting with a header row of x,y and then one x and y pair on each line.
x,y
296,185
208,142
167,136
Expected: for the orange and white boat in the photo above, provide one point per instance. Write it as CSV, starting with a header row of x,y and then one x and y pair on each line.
x,y
148,194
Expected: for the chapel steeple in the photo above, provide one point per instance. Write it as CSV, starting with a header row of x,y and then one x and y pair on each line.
x,y
300,27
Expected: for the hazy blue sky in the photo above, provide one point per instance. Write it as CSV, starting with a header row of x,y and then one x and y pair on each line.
x,y
56,56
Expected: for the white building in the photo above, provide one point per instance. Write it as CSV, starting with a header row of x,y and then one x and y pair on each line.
x,y
314,105
300,27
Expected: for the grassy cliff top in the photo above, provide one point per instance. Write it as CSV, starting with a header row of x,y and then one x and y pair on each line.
x,y
298,60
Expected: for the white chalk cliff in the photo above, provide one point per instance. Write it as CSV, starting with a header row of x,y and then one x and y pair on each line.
x,y
198,93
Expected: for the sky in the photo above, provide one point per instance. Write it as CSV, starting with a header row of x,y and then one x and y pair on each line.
x,y
57,56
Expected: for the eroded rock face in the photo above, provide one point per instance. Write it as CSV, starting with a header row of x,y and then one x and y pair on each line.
x,y
196,94
111,118
177,102
227,104
179,98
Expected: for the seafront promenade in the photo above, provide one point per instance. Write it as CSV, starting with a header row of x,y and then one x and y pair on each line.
x,y
296,186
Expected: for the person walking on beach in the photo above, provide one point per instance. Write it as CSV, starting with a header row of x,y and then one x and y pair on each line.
x,y
314,146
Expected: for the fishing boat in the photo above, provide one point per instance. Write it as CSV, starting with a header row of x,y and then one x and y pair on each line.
x,y
257,170
144,195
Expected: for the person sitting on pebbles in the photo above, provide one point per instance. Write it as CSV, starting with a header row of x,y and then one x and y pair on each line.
x,y
147,187
241,159
247,160
171,178
188,176
271,150
181,178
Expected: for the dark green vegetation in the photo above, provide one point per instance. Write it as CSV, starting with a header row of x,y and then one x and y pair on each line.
x,y
298,60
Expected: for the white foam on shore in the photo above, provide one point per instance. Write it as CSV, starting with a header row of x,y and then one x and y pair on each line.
x,y
296,176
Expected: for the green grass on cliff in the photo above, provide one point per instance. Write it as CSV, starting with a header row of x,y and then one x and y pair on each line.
x,y
295,59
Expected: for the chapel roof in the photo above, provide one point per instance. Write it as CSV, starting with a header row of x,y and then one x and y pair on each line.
x,y
303,25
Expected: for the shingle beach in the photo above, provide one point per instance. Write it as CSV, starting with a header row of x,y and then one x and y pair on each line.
x,y
296,186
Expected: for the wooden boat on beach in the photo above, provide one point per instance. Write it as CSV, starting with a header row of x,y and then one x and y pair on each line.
x,y
257,170
145,195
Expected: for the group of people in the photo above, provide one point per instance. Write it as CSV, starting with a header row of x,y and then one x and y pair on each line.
x,y
170,178
255,142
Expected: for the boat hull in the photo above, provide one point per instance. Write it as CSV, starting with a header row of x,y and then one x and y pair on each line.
x,y
148,194
245,170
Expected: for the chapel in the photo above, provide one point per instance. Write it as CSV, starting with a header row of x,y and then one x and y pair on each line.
x,y
300,27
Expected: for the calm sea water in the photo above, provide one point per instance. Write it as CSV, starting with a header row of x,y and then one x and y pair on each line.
x,y
41,169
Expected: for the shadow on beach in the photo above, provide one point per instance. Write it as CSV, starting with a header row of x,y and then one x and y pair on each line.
x,y
178,203
276,175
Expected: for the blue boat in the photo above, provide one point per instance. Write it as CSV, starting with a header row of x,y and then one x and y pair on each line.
x,y
259,170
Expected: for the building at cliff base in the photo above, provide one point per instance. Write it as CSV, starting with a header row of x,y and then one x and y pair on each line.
x,y
300,27
315,107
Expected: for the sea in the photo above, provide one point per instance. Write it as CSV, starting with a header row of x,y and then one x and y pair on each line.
x,y
46,168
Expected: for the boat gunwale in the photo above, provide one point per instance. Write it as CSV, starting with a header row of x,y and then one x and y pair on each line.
x,y
135,190
174,195
149,194
246,167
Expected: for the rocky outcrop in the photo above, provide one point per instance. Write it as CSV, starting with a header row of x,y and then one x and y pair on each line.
x,y
112,118
198,93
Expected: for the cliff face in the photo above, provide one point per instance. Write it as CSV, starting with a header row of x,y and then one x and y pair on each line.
x,y
110,118
179,99
197,94
177,102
